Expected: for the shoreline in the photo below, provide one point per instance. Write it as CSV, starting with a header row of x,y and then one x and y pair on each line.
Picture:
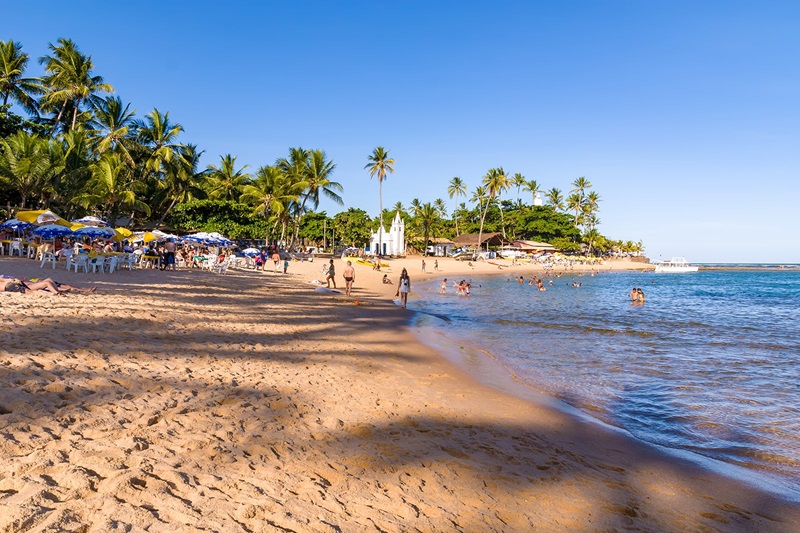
x,y
250,399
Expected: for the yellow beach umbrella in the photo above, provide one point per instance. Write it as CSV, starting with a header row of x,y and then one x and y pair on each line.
x,y
44,216
122,233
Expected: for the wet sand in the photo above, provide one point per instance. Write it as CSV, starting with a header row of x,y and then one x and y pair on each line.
x,y
255,402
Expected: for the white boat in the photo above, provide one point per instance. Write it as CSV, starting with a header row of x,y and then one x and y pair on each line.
x,y
676,265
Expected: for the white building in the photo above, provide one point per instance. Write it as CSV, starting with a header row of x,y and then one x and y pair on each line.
x,y
391,243
537,200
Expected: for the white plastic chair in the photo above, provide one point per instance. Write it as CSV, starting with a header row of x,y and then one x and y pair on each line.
x,y
67,253
96,264
110,264
78,261
15,246
221,268
48,257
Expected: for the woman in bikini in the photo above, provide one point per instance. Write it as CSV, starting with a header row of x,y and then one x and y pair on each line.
x,y
47,285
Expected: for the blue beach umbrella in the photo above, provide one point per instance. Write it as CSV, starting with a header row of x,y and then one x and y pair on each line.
x,y
16,225
251,252
94,232
51,231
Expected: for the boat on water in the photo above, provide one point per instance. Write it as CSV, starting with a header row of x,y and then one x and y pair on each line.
x,y
676,265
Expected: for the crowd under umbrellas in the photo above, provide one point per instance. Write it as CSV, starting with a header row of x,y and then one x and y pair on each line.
x,y
51,233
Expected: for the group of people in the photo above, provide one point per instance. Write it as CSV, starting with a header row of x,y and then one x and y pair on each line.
x,y
463,288
636,295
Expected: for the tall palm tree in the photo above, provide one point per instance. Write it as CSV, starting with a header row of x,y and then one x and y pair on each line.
x,y
440,207
575,204
111,188
426,218
69,80
270,193
182,180
555,199
25,163
225,181
496,182
111,126
159,137
379,164
12,83
456,188
398,208
531,187
518,181
318,171
581,186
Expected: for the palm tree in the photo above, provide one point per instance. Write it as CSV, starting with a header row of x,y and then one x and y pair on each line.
x,y
111,188
182,179
12,83
379,163
69,80
518,181
225,181
575,203
533,188
456,188
111,127
398,208
270,192
555,199
581,185
440,207
495,181
426,218
159,138
25,163
318,171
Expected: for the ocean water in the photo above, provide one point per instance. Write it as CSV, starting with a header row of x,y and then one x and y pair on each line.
x,y
709,364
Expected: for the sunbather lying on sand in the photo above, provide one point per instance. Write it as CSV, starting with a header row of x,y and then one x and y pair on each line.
x,y
43,286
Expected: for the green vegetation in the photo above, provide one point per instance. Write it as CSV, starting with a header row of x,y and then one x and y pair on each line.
x,y
82,150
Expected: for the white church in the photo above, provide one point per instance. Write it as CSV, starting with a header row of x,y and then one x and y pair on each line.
x,y
392,242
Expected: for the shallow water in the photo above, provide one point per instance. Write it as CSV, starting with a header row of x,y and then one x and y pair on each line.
x,y
709,364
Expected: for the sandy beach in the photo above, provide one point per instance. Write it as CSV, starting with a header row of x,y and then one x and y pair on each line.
x,y
250,401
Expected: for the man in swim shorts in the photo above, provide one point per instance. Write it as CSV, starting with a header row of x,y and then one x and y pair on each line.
x,y
349,277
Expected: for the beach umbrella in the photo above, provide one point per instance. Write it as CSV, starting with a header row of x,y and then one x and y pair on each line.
x,y
91,221
142,236
251,252
95,232
51,231
16,224
42,217
122,234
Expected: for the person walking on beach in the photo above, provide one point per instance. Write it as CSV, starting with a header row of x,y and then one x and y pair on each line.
x,y
436,265
349,277
423,266
403,288
276,258
331,275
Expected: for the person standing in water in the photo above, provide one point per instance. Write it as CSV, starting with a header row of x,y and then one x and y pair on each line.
x,y
403,288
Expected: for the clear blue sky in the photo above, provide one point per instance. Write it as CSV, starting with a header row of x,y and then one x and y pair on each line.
x,y
683,115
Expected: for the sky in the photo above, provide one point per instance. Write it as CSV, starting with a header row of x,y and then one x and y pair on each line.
x,y
683,115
